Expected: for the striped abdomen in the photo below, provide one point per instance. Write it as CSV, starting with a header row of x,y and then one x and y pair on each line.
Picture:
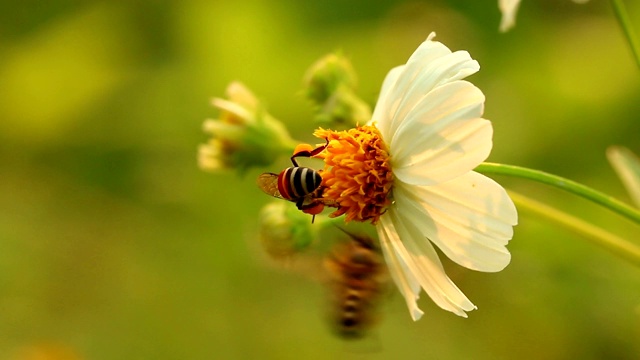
x,y
356,275
297,182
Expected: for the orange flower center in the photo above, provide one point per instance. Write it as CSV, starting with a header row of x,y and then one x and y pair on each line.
x,y
357,175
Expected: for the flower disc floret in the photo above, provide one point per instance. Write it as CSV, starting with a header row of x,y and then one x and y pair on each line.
x,y
357,176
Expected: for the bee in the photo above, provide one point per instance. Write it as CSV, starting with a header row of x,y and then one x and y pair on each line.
x,y
357,277
298,184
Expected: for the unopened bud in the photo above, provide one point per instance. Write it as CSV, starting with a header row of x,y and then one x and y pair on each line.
x,y
284,230
327,75
330,84
344,107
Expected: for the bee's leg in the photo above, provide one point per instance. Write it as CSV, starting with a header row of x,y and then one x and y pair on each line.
x,y
306,150
314,208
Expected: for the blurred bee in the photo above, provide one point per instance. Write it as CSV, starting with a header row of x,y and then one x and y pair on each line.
x,y
298,184
357,277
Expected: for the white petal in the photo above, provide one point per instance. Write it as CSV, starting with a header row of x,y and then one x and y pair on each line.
x,y
383,104
243,115
508,8
209,157
431,65
423,263
238,93
223,130
404,279
443,136
469,218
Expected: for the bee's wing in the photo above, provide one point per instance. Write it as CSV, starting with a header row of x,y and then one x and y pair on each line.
x,y
268,182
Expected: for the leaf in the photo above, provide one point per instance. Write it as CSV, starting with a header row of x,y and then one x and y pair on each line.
x,y
627,165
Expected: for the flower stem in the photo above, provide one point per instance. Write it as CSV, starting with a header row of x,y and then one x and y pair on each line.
x,y
623,18
586,192
607,240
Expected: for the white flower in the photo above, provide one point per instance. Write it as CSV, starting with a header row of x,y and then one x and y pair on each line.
x,y
432,122
413,177
509,9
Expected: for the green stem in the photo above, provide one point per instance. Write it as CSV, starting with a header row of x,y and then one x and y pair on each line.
x,y
588,193
623,18
607,240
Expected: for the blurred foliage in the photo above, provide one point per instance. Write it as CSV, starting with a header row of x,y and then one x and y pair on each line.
x,y
114,245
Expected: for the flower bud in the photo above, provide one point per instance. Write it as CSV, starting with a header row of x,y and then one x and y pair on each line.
x,y
344,107
284,230
327,75
330,84
243,136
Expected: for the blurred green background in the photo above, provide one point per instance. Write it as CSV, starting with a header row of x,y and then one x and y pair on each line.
x,y
114,245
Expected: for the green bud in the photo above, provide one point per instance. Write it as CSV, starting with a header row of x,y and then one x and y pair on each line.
x,y
344,108
285,230
330,84
327,75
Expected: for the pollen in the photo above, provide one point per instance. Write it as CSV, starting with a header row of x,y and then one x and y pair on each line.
x,y
357,176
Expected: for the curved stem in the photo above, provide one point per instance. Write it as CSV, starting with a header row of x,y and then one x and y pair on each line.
x,y
588,193
607,240
623,18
